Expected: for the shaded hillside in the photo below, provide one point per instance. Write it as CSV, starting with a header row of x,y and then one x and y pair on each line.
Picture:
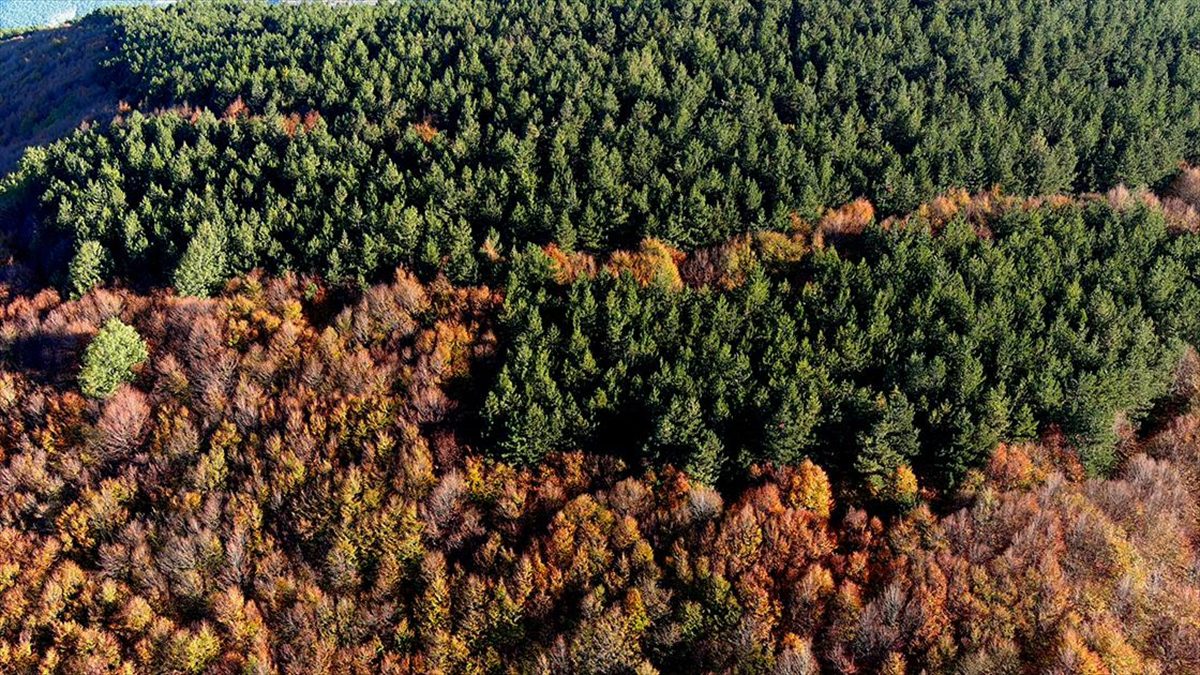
x,y
51,81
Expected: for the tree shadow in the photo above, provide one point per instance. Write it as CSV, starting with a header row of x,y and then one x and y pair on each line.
x,y
45,357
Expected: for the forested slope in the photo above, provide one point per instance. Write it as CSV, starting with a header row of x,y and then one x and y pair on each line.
x,y
901,348
714,336
360,137
282,482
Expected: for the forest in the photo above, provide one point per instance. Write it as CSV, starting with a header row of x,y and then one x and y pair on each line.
x,y
663,336
347,140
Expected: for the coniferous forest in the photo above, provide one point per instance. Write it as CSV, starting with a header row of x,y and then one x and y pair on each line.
x,y
661,336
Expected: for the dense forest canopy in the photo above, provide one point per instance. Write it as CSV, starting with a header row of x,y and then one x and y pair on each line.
x,y
714,336
914,350
281,488
429,129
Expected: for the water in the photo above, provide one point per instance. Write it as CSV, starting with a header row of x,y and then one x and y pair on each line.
x,y
39,13
27,13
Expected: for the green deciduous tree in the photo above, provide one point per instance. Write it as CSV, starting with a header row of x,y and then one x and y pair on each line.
x,y
110,357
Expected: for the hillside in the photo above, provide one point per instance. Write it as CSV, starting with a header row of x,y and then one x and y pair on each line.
x,y
347,140
692,336
53,82
284,481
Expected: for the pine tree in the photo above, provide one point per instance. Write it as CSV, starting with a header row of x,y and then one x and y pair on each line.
x,y
201,270
87,269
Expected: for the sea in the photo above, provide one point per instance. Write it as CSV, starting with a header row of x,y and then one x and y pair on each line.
x,y
38,13
17,14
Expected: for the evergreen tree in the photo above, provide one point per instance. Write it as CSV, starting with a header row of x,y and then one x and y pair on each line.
x,y
87,269
202,268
